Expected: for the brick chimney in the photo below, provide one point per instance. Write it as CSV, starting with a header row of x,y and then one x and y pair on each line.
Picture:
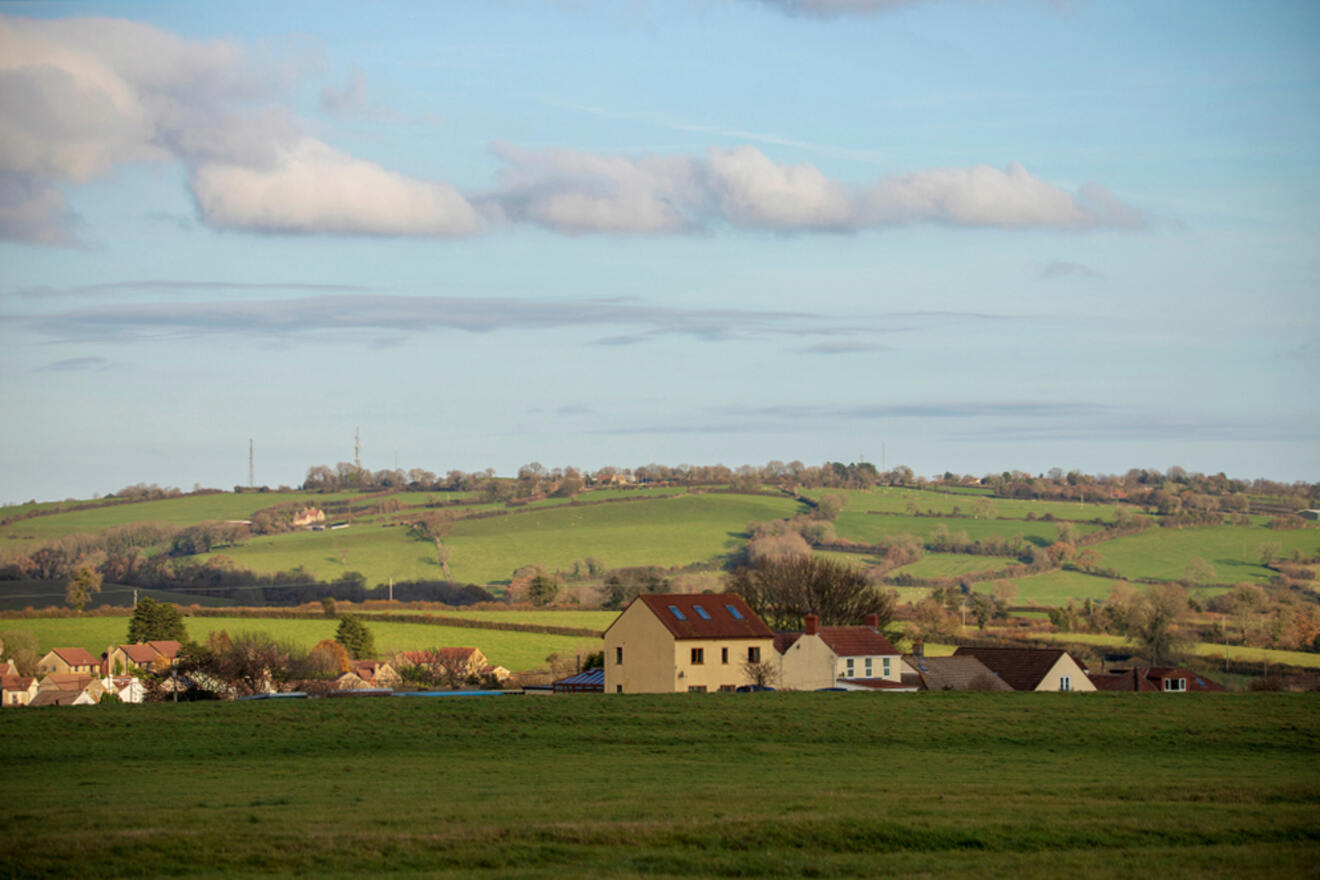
x,y
811,624
873,621
918,648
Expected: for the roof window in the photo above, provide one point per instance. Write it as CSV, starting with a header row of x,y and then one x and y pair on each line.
x,y
701,612
673,609
737,615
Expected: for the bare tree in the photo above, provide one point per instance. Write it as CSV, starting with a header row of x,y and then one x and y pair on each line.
x,y
784,589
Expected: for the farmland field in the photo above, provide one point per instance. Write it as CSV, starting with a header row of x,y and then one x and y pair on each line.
x,y
895,500
847,785
173,511
869,528
378,552
944,565
597,620
1057,587
1234,551
513,650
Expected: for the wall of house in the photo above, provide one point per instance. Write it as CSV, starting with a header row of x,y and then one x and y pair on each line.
x,y
1078,680
807,665
648,654
713,672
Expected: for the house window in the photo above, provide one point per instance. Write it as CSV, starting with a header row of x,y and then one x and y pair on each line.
x,y
618,656
1065,682
698,657
618,688
696,689
1174,685
727,688
724,656
850,667
886,666
868,667
753,655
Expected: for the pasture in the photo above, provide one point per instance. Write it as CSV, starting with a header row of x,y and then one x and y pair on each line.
x,y
871,528
773,785
899,500
514,650
1234,551
183,511
1244,653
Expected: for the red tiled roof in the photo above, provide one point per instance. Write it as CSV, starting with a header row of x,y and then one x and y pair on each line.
x,y
1157,674
784,641
856,641
75,656
168,647
66,681
1022,668
143,654
953,674
718,622
17,682
1122,680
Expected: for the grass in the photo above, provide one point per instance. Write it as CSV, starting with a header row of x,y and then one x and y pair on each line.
x,y
1234,551
184,511
870,528
597,620
769,785
947,565
666,531
1057,587
513,650
895,500
18,595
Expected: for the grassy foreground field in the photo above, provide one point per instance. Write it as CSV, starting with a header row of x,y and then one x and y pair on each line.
x,y
845,785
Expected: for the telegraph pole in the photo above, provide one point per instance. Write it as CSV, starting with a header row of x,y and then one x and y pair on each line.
x,y
357,448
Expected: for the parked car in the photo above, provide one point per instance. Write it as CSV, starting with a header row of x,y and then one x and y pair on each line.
x,y
752,688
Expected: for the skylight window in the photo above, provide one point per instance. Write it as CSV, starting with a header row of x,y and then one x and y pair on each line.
x,y
673,609
737,615
701,612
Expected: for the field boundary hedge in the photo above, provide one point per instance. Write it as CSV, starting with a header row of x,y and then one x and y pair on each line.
x,y
387,617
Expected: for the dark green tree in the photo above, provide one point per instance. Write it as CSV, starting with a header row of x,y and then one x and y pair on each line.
x,y
156,621
85,583
355,637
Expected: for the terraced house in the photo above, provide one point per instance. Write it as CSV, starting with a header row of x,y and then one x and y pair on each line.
x,y
695,643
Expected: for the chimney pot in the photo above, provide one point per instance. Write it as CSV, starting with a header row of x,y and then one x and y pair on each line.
x,y
812,624
873,621
919,648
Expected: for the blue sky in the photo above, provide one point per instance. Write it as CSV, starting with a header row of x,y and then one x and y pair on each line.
x,y
968,236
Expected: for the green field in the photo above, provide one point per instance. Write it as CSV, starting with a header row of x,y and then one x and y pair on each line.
x,y
514,650
895,500
768,785
379,552
595,620
947,565
173,511
667,531
1201,649
20,595
1234,551
1057,587
870,528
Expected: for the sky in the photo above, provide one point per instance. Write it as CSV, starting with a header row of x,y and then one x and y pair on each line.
x,y
957,235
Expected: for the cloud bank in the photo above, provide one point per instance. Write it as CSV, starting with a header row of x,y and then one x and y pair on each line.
x,y
83,96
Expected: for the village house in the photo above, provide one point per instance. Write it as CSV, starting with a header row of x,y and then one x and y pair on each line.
x,y
851,657
156,656
18,690
1032,669
369,674
68,689
68,661
694,643
949,673
466,662
1156,679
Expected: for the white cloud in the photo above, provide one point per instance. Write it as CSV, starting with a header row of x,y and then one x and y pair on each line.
x,y
314,188
570,191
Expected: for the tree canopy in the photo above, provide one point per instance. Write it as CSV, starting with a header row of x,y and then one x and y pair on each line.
x,y
156,621
784,589
355,637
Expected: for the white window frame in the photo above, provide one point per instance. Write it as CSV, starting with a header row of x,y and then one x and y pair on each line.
x,y
1065,682
868,667
1179,685
885,664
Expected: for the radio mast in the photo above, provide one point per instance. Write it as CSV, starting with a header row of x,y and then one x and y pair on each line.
x,y
251,470
357,448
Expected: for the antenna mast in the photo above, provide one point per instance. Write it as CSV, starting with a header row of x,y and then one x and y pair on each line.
x,y
357,448
251,470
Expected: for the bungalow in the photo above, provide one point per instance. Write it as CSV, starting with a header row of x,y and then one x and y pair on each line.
x,y
1156,679
669,643
68,661
466,661
826,656
1032,669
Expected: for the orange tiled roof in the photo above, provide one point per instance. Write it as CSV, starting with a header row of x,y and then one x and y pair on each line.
x,y
704,616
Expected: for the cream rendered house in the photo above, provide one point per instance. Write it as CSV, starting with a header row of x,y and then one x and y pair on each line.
x,y
836,656
694,643
1032,669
